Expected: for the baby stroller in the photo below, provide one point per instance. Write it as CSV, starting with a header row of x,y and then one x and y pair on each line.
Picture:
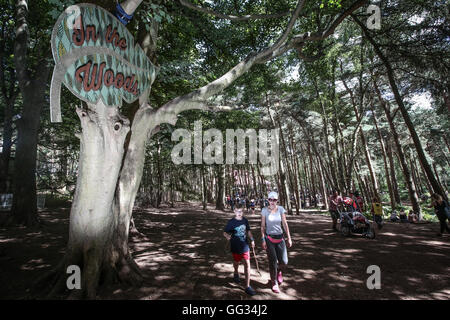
x,y
354,222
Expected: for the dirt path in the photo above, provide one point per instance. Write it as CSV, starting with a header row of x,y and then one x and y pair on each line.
x,y
183,255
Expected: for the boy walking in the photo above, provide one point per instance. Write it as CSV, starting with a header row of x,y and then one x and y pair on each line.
x,y
236,232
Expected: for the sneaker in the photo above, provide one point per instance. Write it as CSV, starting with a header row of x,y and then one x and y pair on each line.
x,y
250,291
280,277
275,288
236,278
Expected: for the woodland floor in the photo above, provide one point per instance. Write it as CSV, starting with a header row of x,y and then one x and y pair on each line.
x,y
183,255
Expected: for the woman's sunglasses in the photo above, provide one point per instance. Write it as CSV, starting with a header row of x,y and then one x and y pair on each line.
x,y
273,200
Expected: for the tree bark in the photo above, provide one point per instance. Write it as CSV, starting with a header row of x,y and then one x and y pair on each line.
x,y
385,161
204,187
95,235
393,174
7,144
24,208
295,172
283,183
9,96
286,181
220,205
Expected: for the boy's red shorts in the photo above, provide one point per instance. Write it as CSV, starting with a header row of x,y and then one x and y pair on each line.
x,y
239,256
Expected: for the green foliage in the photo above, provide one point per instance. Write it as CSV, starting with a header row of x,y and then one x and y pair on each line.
x,y
194,48
330,4
150,11
58,7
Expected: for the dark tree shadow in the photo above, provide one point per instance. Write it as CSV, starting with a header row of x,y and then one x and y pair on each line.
x,y
183,255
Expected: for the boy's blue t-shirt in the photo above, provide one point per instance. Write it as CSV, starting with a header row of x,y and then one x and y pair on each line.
x,y
238,230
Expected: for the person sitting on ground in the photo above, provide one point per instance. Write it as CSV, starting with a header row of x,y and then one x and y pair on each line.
x,y
236,232
377,211
403,217
394,217
412,217
442,211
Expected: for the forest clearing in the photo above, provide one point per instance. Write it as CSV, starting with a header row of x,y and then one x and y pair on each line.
x,y
183,256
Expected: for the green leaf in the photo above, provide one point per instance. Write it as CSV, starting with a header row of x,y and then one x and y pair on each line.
x,y
157,18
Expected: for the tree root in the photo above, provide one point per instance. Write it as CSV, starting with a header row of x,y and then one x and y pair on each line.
x,y
133,230
136,233
97,273
130,273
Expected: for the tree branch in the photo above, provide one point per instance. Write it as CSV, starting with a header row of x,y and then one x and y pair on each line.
x,y
320,35
190,100
297,40
169,111
268,53
189,5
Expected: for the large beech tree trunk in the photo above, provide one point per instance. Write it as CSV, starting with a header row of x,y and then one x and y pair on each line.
x,y
24,209
95,235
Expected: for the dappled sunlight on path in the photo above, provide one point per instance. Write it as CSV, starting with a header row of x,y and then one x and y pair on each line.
x,y
183,255
187,258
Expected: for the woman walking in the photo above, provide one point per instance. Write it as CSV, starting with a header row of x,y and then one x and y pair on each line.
x,y
273,221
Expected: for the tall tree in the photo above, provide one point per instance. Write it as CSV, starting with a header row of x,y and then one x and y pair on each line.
x,y
32,80
392,82
9,91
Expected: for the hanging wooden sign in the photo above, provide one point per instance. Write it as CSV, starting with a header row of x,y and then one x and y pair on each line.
x,y
96,58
